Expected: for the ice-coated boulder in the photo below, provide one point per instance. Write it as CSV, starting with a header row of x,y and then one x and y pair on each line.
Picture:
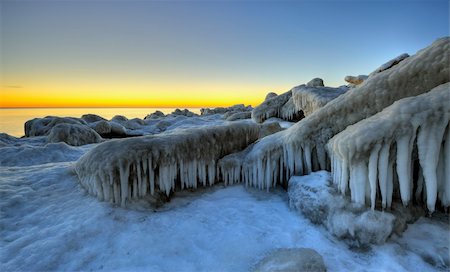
x,y
156,115
364,154
309,99
290,112
184,112
270,95
222,110
92,118
132,168
314,196
119,119
315,82
270,107
73,134
42,126
292,260
356,80
390,64
239,116
108,129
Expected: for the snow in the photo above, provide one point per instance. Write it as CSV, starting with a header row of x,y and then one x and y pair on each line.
x,y
308,99
48,223
396,128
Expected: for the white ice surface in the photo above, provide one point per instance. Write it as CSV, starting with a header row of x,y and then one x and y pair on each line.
x,y
48,223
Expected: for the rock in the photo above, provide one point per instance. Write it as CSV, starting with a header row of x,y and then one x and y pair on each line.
x,y
315,82
239,116
270,95
269,128
184,112
42,126
356,80
109,130
91,118
390,64
270,107
119,119
292,260
358,226
289,112
73,134
222,110
310,99
156,115
101,127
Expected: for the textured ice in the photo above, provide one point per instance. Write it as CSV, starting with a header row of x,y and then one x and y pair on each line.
x,y
73,134
270,107
290,260
318,201
390,64
364,153
132,168
301,148
42,126
308,99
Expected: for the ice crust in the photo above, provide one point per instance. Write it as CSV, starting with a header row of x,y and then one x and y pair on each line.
x,y
132,168
301,149
364,154
308,99
271,107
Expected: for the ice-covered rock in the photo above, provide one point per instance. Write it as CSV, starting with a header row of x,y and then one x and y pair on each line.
x,y
300,149
73,134
290,112
270,107
309,99
131,168
292,260
92,118
184,112
119,119
364,154
42,126
156,115
356,80
222,110
314,196
239,116
270,95
390,64
268,128
315,82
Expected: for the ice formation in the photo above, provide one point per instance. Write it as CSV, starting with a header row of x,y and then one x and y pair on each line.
x,y
270,107
132,168
315,82
73,134
366,155
301,148
42,126
390,64
222,110
309,99
292,259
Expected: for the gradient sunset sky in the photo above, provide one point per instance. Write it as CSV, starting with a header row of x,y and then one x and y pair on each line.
x,y
198,53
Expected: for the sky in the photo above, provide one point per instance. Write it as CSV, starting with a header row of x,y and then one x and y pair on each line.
x,y
198,53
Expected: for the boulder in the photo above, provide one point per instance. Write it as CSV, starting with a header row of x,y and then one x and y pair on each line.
x,y
315,82
356,80
73,134
156,115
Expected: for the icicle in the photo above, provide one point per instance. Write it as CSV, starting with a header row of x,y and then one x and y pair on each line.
x,y
429,143
446,194
358,182
403,168
124,175
373,171
383,165
307,158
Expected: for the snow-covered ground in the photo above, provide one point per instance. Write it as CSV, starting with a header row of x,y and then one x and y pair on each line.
x,y
48,222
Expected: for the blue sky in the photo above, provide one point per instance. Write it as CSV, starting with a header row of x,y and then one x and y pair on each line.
x,y
259,45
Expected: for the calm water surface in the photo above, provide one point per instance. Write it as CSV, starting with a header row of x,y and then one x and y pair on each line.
x,y
12,120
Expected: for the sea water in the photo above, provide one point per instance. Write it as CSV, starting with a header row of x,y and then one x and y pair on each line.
x,y
12,120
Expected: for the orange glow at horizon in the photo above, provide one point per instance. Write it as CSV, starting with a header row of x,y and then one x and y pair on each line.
x,y
130,95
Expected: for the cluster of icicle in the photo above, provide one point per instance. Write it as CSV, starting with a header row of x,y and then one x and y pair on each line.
x,y
132,168
366,156
302,148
